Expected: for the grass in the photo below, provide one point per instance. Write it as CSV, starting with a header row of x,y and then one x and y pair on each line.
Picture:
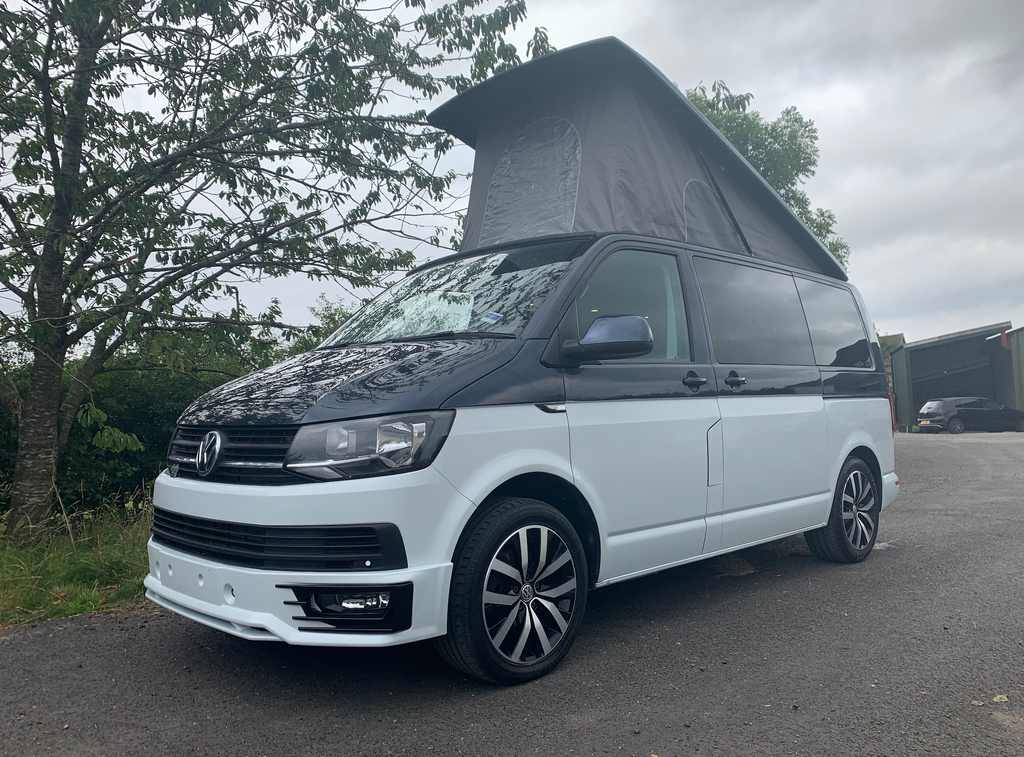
x,y
83,562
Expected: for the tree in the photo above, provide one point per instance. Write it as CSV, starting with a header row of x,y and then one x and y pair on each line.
x,y
156,151
784,152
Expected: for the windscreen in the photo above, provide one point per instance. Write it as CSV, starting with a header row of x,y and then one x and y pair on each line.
x,y
494,294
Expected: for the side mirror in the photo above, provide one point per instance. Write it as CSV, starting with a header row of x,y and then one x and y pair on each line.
x,y
610,337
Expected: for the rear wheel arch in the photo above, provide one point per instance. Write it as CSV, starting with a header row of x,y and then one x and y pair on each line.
x,y
558,493
868,456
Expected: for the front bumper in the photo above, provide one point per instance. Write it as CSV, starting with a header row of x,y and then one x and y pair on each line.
x,y
251,603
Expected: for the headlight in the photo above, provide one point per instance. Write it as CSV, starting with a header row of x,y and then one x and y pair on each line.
x,y
368,447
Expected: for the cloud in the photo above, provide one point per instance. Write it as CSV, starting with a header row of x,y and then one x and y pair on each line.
x,y
918,107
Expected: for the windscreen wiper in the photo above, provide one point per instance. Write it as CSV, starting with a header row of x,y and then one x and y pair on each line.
x,y
424,338
453,335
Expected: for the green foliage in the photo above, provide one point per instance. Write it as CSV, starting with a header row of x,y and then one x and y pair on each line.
x,y
107,437
540,45
82,563
147,403
889,343
328,318
154,153
263,140
784,152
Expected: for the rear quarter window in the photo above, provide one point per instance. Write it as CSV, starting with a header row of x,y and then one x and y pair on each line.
x,y
837,331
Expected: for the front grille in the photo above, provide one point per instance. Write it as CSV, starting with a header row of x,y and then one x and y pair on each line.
x,y
252,455
375,546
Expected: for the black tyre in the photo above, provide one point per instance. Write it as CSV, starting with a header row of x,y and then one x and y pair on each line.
x,y
852,527
956,426
518,593
1020,425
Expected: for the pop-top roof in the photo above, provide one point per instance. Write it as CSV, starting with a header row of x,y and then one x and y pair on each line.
x,y
593,138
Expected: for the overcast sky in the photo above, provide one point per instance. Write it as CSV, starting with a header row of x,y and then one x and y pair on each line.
x,y
918,105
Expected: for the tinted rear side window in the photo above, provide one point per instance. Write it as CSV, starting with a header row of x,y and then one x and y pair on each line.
x,y
755,315
837,331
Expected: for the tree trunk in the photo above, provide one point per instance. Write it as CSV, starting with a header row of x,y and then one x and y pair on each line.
x,y
35,465
38,441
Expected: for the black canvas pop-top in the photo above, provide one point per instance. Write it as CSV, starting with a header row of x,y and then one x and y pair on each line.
x,y
593,138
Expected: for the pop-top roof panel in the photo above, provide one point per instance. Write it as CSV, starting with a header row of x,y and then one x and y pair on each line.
x,y
593,138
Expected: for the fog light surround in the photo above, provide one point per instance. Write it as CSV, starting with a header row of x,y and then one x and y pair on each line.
x,y
353,609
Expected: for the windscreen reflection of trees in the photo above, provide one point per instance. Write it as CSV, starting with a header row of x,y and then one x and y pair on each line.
x,y
495,293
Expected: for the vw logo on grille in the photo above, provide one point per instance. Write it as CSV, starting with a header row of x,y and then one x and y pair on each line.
x,y
208,453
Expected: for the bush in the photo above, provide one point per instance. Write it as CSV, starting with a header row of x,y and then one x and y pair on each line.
x,y
87,561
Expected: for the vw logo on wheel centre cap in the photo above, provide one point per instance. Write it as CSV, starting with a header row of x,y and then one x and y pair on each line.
x,y
208,453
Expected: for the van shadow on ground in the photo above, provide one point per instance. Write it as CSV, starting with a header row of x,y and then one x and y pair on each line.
x,y
679,596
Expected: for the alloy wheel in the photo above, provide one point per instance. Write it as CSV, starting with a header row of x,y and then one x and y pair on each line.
x,y
529,594
858,510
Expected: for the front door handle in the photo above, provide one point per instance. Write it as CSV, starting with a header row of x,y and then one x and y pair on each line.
x,y
734,379
694,381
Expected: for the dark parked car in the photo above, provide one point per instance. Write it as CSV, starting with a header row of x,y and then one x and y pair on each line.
x,y
959,414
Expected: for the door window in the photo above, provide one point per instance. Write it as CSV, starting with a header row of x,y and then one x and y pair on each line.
x,y
633,282
837,331
754,314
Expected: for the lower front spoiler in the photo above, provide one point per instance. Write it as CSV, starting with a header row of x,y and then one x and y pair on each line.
x,y
255,605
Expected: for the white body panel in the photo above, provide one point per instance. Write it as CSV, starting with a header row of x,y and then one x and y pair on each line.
x,y
431,507
426,508
487,446
664,484
862,422
777,466
642,465
196,589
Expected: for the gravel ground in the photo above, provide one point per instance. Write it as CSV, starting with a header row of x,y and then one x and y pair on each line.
x,y
764,652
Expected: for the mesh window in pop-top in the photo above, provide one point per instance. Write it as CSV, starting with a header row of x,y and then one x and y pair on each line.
x,y
534,185
707,221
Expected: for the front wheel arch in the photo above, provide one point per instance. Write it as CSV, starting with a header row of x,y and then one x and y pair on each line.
x,y
561,495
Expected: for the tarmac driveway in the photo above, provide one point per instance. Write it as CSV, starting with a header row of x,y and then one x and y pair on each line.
x,y
764,652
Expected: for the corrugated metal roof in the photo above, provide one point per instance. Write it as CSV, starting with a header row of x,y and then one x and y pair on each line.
x,y
983,332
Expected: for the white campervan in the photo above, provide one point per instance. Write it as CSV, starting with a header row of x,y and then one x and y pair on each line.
x,y
640,358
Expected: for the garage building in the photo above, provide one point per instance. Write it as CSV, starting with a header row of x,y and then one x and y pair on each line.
x,y
982,362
